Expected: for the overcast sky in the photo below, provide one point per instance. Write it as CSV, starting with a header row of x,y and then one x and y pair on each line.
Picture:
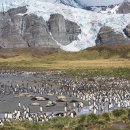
x,y
93,2
100,2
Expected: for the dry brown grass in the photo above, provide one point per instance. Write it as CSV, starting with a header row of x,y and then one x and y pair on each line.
x,y
34,52
48,58
22,61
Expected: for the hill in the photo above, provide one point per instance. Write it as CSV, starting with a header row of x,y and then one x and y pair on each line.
x,y
43,58
36,23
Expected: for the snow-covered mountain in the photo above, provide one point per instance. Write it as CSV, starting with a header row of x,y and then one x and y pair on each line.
x,y
90,22
101,6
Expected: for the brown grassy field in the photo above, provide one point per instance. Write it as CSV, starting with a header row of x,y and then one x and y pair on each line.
x,y
48,58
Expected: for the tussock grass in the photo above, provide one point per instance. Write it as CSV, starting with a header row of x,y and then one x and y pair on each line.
x,y
105,121
109,72
64,60
102,60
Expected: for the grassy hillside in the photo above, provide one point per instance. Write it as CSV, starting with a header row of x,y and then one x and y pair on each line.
x,y
104,60
116,120
97,57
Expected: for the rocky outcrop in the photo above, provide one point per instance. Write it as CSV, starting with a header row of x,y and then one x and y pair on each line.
x,y
107,35
36,33
72,30
124,8
19,10
9,36
127,31
64,31
18,29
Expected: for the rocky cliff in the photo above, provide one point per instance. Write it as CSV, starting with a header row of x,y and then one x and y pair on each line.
x,y
18,29
127,31
63,31
124,8
109,36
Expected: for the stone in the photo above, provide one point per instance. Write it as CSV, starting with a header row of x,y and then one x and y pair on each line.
x,y
72,30
9,37
19,10
21,30
36,33
124,8
127,30
107,35
63,31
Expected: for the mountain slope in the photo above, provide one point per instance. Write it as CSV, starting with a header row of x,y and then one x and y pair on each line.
x,y
73,3
89,22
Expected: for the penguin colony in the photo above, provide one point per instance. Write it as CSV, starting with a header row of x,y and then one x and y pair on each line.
x,y
41,96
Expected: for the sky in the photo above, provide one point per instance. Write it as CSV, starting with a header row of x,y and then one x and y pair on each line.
x,y
100,2
93,2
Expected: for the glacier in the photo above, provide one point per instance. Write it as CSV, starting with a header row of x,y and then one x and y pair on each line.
x,y
90,22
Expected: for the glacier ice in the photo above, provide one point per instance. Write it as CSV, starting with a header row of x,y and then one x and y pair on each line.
x,y
89,22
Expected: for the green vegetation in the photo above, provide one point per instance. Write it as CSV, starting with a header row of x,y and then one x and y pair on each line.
x,y
118,113
95,61
110,61
113,120
110,72
51,59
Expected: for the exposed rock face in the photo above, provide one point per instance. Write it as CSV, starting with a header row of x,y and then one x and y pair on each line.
x,y
127,31
124,8
72,30
107,35
18,10
9,36
33,31
62,30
